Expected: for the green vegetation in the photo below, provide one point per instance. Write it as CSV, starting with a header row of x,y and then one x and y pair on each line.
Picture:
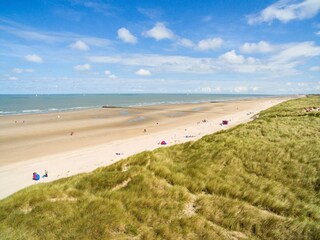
x,y
259,180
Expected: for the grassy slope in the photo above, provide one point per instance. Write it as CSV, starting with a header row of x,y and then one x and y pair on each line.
x,y
257,180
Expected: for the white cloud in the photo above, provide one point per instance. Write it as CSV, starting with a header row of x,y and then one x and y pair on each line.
x,y
281,63
160,62
151,13
12,78
216,89
240,89
287,10
126,36
33,58
184,64
315,68
184,42
317,33
210,44
143,72
112,76
261,47
84,67
203,45
206,89
21,70
232,57
159,32
97,6
107,72
297,52
80,45
28,33
252,60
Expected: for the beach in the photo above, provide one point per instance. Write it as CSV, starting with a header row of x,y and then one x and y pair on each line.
x,y
68,143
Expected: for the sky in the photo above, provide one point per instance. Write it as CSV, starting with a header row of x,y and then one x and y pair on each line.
x,y
167,46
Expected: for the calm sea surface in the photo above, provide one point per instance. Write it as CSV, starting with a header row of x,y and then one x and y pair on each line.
x,y
28,104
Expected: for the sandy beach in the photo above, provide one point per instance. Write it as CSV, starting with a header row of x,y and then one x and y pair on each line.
x,y
69,143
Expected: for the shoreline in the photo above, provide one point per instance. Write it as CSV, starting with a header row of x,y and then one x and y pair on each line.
x,y
43,141
81,108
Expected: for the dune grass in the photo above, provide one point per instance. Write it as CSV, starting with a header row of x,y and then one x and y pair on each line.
x,y
259,180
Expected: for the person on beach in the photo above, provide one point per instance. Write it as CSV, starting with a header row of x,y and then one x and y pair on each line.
x,y
45,174
35,176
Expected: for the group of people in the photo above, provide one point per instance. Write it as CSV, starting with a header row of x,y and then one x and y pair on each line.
x,y
36,176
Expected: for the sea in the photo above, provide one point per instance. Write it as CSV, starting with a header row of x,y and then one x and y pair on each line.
x,y
13,104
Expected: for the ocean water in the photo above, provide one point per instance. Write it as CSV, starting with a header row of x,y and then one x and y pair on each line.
x,y
32,104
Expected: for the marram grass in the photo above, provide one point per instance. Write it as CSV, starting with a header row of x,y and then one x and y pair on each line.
x,y
259,180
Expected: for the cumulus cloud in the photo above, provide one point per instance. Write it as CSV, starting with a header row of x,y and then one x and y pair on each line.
x,y
84,67
112,76
126,36
107,72
286,10
79,45
210,44
159,32
260,47
203,45
21,70
315,69
33,58
143,72
232,57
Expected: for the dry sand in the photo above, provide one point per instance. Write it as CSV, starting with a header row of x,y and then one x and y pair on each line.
x,y
39,142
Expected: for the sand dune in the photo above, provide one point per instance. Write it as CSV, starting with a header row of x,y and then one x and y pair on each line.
x,y
39,142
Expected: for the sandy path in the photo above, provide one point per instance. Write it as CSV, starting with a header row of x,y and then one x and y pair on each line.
x,y
43,142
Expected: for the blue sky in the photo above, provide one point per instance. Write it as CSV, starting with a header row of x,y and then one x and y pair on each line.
x,y
220,46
